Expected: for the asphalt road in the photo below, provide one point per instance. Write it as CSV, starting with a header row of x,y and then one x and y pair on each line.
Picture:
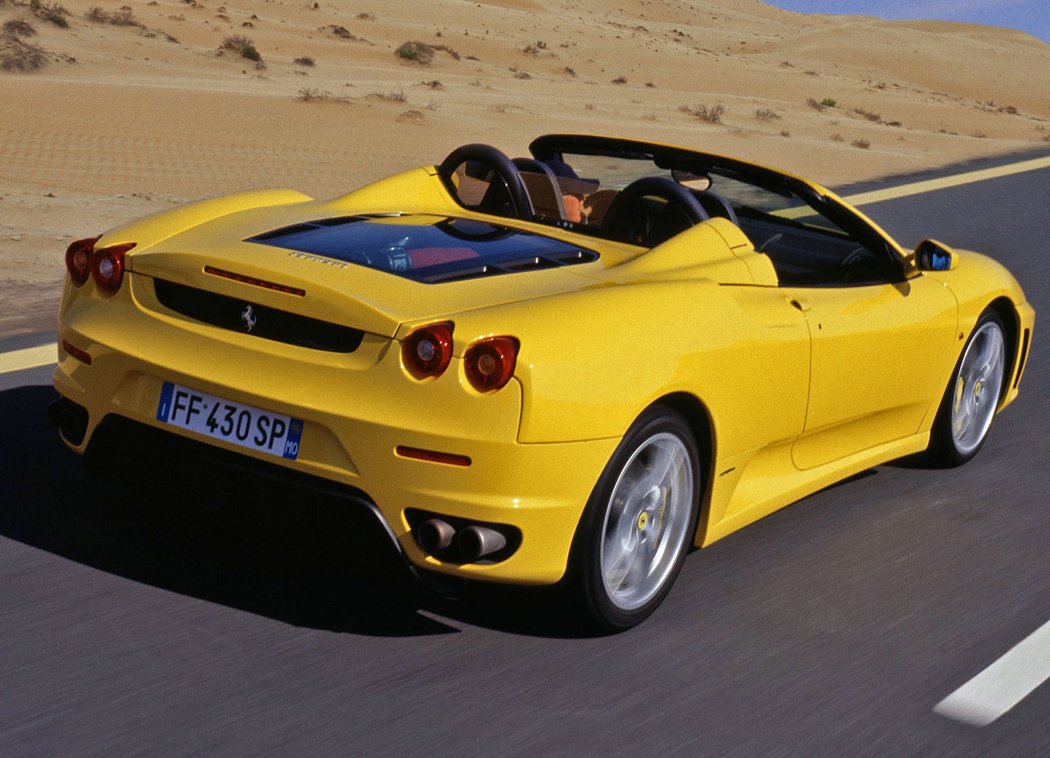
x,y
233,619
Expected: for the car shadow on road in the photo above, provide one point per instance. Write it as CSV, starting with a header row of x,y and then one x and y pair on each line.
x,y
303,558
307,561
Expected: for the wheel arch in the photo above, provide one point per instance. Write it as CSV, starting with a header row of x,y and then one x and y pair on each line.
x,y
1004,308
698,418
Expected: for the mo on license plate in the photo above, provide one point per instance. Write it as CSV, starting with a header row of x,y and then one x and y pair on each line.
x,y
230,421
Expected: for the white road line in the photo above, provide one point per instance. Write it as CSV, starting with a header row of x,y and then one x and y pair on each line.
x,y
30,357
1002,685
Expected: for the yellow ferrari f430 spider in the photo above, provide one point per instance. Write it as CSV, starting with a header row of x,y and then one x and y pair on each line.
x,y
566,368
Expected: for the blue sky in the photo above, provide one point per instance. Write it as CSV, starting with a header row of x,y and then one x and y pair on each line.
x,y
1032,16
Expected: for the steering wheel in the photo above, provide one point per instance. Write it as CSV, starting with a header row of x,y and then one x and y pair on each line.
x,y
629,220
497,163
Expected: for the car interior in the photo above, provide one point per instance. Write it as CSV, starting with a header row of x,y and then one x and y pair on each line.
x,y
644,194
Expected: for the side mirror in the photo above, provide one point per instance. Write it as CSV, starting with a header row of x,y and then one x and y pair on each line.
x,y
931,255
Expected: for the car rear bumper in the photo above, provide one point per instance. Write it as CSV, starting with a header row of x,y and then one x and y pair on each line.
x,y
357,410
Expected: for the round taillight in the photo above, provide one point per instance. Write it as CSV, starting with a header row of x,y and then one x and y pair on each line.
x,y
489,363
78,259
427,351
107,267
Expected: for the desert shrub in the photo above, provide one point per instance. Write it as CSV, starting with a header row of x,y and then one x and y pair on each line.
x,y
311,95
862,144
711,114
243,47
422,53
620,80
873,117
829,102
837,138
340,31
18,55
124,16
416,52
767,114
17,27
812,103
305,61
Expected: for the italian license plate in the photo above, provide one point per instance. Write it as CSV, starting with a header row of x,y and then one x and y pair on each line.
x,y
230,421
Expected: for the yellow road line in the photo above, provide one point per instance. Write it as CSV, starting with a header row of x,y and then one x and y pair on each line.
x,y
30,357
944,182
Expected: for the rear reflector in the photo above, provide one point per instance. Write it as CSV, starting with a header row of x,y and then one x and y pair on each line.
x,y
81,355
432,456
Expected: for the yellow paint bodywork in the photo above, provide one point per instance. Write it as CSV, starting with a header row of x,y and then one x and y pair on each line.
x,y
791,388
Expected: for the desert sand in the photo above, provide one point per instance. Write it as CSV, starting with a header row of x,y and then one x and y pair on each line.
x,y
109,112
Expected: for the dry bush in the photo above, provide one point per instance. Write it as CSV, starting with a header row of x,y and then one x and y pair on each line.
x,y
124,16
711,114
837,138
873,117
537,49
18,27
785,133
620,80
54,13
18,55
311,95
365,16
862,144
340,31
812,103
422,53
243,47
305,61
389,97
767,114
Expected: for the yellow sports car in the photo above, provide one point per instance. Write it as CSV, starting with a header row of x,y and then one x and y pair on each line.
x,y
570,367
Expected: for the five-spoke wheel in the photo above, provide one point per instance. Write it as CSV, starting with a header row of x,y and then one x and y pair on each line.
x,y
639,521
973,395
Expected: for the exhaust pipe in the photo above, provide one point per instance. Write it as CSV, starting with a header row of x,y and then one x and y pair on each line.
x,y
70,418
476,542
435,535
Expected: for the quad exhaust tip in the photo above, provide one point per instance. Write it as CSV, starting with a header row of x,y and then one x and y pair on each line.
x,y
472,543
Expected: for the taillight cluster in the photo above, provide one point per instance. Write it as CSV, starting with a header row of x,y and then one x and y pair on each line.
x,y
488,363
105,265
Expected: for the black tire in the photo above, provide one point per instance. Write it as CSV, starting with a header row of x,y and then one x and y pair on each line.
x,y
632,485
957,437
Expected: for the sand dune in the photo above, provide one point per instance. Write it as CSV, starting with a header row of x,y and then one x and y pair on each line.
x,y
138,107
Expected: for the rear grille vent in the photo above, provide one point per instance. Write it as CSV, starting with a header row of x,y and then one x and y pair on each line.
x,y
256,320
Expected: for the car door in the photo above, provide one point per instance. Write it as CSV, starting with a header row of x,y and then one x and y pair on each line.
x,y
880,354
